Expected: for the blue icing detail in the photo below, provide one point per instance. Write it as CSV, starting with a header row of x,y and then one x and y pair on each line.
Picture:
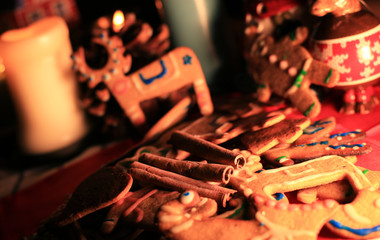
x,y
186,193
360,231
348,146
187,60
314,143
109,220
343,134
160,75
313,128
279,196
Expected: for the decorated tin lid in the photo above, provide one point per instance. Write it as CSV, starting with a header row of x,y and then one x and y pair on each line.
x,y
349,44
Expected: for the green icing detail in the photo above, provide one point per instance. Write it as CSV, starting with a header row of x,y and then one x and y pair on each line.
x,y
261,86
145,151
328,76
309,110
292,35
279,158
237,211
164,152
299,78
365,171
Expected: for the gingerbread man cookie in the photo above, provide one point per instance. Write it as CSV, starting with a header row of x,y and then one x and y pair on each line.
x,y
316,130
287,69
285,131
342,144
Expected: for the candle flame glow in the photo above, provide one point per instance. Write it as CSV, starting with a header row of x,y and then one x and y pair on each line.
x,y
118,21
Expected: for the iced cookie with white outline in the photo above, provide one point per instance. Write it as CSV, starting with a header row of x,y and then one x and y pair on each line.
x,y
285,131
340,191
359,219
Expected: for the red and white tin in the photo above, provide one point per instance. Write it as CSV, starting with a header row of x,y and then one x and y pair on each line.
x,y
356,57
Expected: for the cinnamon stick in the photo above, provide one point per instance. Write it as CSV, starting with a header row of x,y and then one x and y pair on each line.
x,y
198,170
152,175
207,150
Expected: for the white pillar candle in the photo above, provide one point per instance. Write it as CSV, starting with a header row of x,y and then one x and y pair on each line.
x,y
42,83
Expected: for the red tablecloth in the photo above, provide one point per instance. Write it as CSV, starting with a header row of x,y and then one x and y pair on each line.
x,y
20,213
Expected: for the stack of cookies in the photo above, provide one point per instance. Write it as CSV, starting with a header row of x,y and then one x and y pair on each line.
x,y
247,171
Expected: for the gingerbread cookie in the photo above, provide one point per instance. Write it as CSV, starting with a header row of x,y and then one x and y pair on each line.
x,y
192,217
180,220
174,70
251,123
210,127
316,131
287,69
112,182
340,191
137,208
299,176
286,131
294,221
342,144
358,219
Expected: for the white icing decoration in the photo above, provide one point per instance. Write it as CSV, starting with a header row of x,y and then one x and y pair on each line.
x,y
276,231
202,202
284,64
308,170
354,215
170,218
183,226
377,203
187,197
273,58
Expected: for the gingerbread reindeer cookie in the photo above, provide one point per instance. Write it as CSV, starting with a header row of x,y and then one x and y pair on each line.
x,y
287,69
174,70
